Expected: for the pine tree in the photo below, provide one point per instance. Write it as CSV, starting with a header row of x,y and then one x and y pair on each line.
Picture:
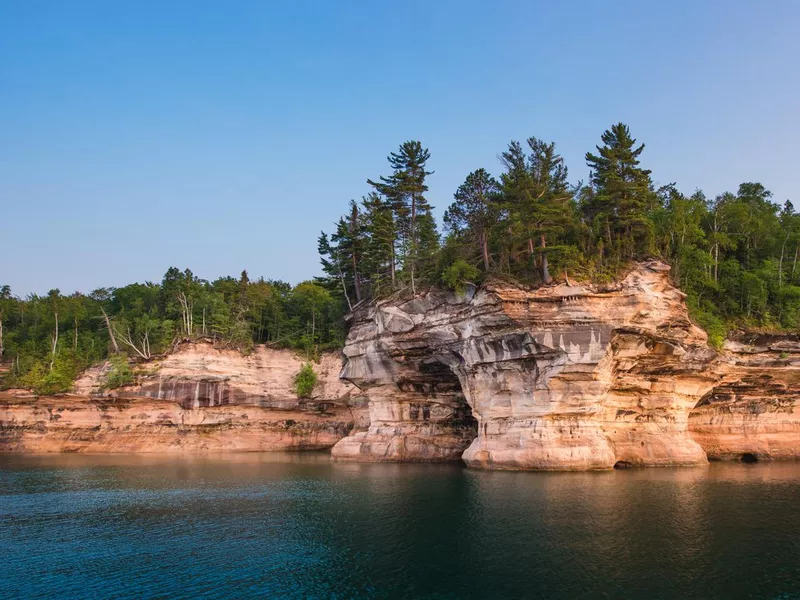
x,y
537,196
623,194
475,210
379,253
405,191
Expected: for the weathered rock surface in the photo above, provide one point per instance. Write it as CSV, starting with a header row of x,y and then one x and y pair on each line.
x,y
754,411
199,375
566,377
79,424
197,399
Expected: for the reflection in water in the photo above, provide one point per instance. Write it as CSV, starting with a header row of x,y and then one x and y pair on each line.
x,y
297,525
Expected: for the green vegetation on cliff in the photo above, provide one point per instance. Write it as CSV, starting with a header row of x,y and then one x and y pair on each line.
x,y
735,255
45,341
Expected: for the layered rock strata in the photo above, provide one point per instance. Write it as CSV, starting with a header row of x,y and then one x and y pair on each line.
x,y
79,424
198,375
566,377
754,411
198,398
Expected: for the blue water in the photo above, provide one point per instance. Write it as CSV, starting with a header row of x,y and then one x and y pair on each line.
x,y
299,526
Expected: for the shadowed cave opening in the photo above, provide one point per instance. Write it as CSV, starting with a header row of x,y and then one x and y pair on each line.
x,y
440,383
748,458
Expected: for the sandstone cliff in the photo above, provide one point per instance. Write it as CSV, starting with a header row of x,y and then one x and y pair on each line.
x,y
197,399
754,410
566,377
563,377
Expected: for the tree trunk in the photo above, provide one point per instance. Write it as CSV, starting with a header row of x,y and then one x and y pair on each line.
x,y
1,339
780,262
55,343
75,338
414,245
794,263
341,278
485,249
392,265
354,236
356,278
110,330
545,271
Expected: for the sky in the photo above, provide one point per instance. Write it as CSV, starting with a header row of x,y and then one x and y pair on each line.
x,y
222,136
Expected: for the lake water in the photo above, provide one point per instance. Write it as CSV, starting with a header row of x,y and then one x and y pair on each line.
x,y
299,526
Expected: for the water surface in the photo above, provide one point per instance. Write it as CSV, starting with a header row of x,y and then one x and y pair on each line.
x,y
299,526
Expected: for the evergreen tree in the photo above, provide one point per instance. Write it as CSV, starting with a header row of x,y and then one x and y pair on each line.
x,y
405,191
537,196
622,195
380,231
474,211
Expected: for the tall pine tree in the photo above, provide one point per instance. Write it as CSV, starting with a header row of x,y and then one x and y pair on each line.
x,y
537,196
622,194
405,191
475,210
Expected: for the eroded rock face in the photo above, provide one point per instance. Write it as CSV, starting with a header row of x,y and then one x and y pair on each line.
x,y
79,424
199,375
566,377
754,412
198,398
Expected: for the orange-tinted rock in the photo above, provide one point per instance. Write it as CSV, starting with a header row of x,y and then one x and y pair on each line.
x,y
198,398
754,413
79,424
566,377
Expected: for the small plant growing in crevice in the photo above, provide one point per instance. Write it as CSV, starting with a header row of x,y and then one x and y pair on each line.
x,y
305,381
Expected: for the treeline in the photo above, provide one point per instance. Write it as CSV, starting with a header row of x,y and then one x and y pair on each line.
x,y
45,341
734,254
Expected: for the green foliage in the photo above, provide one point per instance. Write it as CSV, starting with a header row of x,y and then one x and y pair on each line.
x,y
305,381
460,273
46,381
736,255
120,373
48,340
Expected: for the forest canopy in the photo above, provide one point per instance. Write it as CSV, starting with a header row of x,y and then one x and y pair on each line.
x,y
47,340
735,255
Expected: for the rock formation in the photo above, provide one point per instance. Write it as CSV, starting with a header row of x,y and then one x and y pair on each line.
x,y
198,375
566,377
754,411
198,398
79,424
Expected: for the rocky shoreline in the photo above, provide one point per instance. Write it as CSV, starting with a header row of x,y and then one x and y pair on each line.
x,y
563,377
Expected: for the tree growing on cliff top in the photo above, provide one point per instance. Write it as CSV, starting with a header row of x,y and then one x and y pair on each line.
x,y
622,195
405,191
475,211
537,197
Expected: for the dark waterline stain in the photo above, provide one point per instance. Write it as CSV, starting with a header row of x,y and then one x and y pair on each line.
x,y
300,526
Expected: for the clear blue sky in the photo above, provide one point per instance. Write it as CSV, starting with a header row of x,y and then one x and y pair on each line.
x,y
221,136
